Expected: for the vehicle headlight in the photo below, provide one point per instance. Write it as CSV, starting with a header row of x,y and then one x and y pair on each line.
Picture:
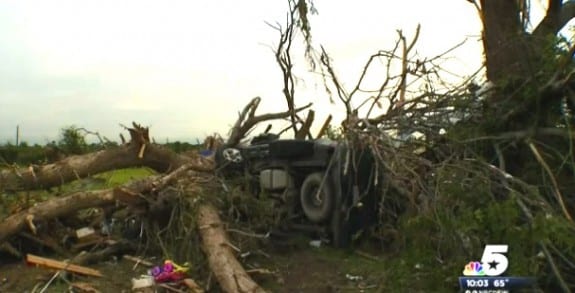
x,y
232,155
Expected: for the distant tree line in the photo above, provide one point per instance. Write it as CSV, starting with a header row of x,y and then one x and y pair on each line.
x,y
71,141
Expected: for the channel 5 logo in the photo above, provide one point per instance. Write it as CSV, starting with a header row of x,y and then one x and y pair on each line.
x,y
493,262
487,274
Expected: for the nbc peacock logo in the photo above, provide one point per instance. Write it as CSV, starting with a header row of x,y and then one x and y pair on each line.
x,y
473,268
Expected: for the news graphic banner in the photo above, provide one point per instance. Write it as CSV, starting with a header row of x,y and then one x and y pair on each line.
x,y
487,276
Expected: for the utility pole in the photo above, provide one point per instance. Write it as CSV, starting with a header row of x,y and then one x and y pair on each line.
x,y
17,135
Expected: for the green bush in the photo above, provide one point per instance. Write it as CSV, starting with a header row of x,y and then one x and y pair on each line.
x,y
71,141
9,153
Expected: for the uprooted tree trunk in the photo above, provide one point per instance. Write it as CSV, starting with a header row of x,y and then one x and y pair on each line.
x,y
138,152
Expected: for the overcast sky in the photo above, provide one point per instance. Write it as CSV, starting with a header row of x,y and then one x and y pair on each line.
x,y
186,68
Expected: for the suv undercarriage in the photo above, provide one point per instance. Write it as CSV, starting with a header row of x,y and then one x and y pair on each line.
x,y
324,186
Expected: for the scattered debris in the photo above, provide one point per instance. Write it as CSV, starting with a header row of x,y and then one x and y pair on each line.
x,y
6,284
138,260
193,286
366,255
315,243
170,288
54,264
85,243
260,271
7,247
169,272
82,287
142,282
56,275
353,277
83,233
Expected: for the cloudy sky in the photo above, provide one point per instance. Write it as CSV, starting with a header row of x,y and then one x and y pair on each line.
x,y
185,68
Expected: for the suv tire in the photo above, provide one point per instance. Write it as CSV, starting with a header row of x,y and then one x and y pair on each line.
x,y
317,209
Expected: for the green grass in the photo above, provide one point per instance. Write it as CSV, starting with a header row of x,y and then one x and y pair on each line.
x,y
118,177
107,179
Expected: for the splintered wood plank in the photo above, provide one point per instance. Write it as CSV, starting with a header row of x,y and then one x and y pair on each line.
x,y
54,264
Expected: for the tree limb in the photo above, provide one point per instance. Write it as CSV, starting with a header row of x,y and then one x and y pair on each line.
x,y
243,125
557,16
521,134
229,272
305,128
556,190
283,59
567,13
324,126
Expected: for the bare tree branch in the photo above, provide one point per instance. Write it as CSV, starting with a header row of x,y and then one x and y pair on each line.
x,y
283,59
248,120
342,95
404,62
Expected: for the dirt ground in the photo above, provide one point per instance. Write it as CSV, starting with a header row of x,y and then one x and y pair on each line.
x,y
313,270
304,269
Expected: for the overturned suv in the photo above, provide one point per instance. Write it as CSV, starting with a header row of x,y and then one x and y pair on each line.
x,y
323,187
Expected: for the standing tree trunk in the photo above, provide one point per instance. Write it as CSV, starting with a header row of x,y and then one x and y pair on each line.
x,y
523,64
504,41
511,52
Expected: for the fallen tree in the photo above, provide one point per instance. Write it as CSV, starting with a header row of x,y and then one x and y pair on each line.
x,y
62,206
229,272
138,152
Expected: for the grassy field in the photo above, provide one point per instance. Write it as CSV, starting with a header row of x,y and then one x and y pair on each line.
x,y
121,176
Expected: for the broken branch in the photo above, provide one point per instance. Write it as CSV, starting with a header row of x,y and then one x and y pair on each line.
x,y
228,271
241,127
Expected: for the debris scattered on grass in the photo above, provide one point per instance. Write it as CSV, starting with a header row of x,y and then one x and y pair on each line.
x,y
84,233
54,264
142,282
193,286
83,287
353,277
169,272
138,261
